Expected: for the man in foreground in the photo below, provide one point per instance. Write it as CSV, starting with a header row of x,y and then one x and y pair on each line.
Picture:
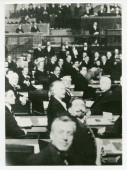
x,y
56,152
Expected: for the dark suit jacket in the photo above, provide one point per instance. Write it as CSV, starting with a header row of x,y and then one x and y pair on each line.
x,y
53,78
106,68
48,54
48,156
100,105
23,86
83,149
33,29
92,30
81,83
37,53
67,68
12,129
54,110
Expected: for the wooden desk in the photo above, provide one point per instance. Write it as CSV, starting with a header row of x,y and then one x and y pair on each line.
x,y
110,146
98,121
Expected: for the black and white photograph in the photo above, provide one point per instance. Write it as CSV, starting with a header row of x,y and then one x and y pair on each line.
x,y
63,83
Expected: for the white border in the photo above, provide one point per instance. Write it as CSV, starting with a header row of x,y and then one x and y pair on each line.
x,y
124,81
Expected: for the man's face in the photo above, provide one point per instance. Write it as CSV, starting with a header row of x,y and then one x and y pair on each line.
x,y
61,62
9,58
29,57
78,108
68,58
77,64
62,136
57,71
109,54
96,54
83,71
103,58
59,90
10,97
85,44
48,43
67,81
14,79
116,51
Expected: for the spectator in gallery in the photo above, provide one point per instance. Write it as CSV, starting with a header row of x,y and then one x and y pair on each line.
x,y
35,28
56,105
45,14
67,13
12,129
67,46
53,15
19,29
87,12
94,31
31,11
90,8
117,12
59,17
56,152
77,10
101,12
38,13
23,14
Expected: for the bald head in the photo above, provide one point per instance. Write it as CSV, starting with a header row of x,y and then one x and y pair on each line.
x,y
13,79
105,83
67,81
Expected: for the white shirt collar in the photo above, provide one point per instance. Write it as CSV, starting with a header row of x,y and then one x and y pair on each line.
x,y
8,106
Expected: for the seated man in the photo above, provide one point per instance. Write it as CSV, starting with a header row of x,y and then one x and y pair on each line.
x,y
83,149
55,76
35,28
19,29
41,76
56,105
56,153
38,52
98,106
24,81
12,128
81,83
11,63
66,80
12,84
112,131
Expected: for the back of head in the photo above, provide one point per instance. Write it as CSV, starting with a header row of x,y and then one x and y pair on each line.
x,y
105,83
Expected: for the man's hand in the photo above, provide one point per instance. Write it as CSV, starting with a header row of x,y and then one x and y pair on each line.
x,y
101,131
23,100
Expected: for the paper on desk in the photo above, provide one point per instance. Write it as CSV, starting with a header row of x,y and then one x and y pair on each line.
x,y
24,122
98,121
43,121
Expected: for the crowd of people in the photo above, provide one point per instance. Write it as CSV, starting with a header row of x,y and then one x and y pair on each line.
x,y
72,141
60,15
